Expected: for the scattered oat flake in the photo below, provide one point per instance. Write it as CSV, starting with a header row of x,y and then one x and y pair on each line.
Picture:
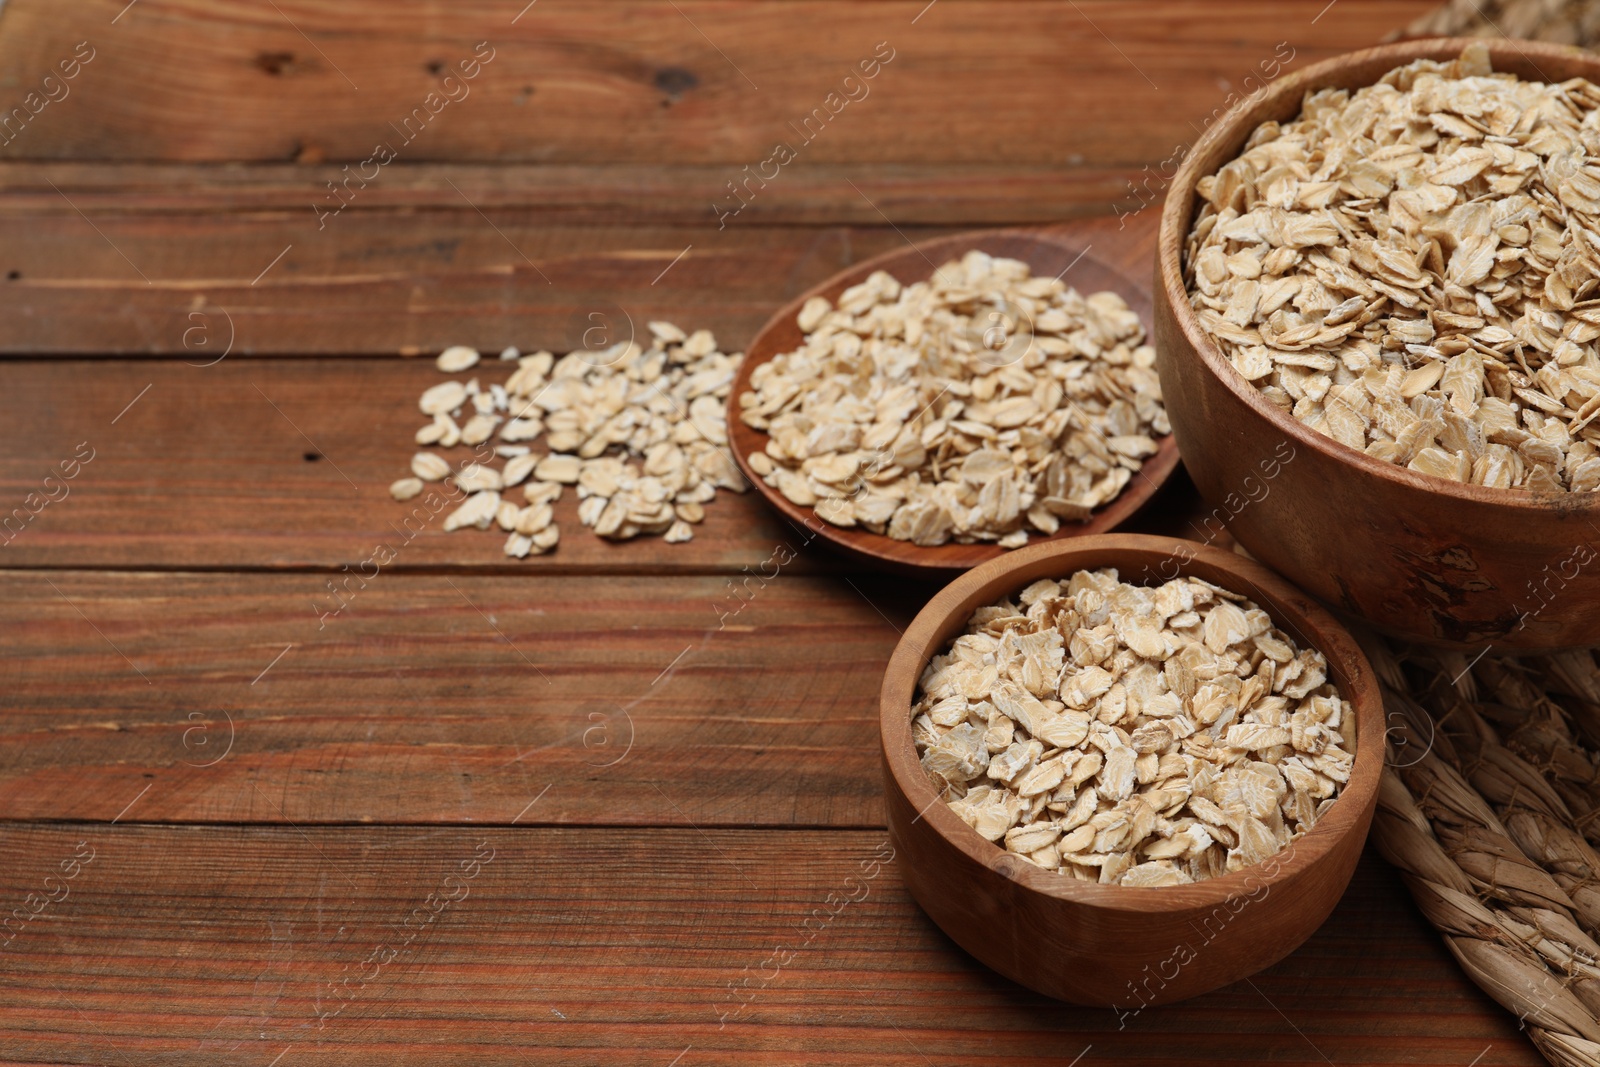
x,y
639,432
457,358
405,488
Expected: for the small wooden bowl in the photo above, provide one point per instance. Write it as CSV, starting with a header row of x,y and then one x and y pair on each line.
x,y
1114,945
1048,253
1420,557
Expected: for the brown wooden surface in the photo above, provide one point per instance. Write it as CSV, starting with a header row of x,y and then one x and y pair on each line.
x,y
597,946
233,888
412,705
630,80
391,282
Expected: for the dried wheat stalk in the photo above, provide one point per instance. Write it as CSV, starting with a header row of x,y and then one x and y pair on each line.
x,y
1491,810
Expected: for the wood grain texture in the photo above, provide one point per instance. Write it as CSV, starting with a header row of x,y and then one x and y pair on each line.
x,y
692,82
278,463
116,282
439,699
386,283
635,903
593,194
591,947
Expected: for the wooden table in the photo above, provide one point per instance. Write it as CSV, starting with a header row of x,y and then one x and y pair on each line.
x,y
550,811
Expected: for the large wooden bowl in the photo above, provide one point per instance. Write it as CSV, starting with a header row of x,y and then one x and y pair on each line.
x,y
1417,556
1050,253
1113,945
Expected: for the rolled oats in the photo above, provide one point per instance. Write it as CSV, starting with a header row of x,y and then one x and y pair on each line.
x,y
405,488
457,358
517,469
981,405
542,492
475,476
533,518
639,431
429,466
443,398
558,468
1413,269
478,510
1560,21
479,429
1132,735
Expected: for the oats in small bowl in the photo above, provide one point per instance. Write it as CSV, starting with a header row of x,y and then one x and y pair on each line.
x,y
1119,757
1131,735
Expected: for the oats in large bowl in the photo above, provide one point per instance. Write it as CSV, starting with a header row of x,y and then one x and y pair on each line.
x,y
1413,269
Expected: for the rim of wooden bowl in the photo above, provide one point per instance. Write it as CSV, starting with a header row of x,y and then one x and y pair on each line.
x,y
1281,100
913,264
1312,625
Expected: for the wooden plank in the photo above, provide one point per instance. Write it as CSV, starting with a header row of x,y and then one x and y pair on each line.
x,y
273,463
618,946
134,284
643,80
256,698
592,194
388,283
